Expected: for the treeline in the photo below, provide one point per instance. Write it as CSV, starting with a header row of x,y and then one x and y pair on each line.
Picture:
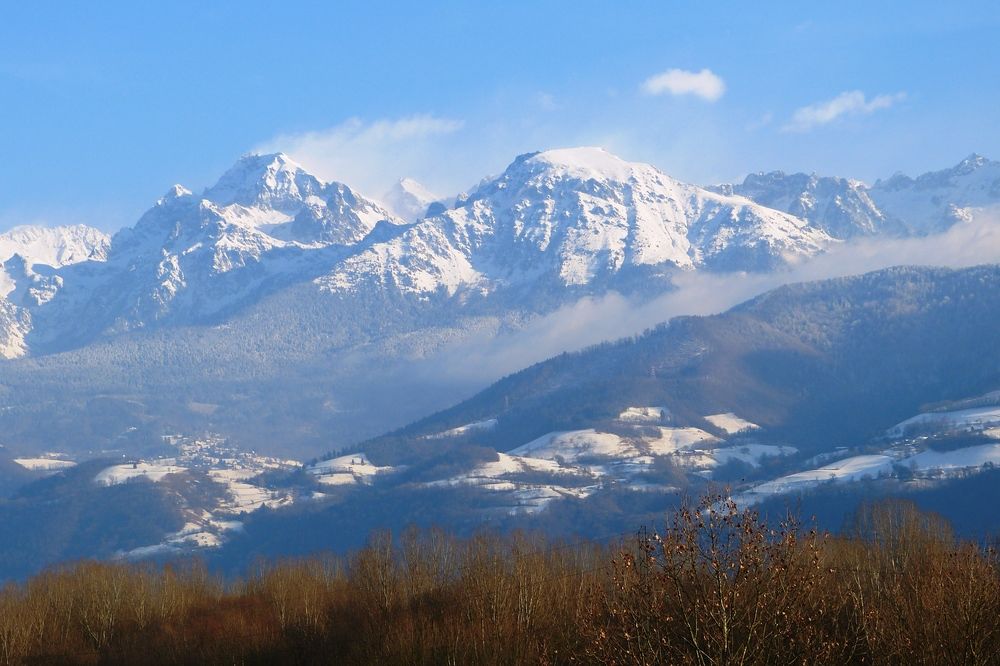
x,y
716,585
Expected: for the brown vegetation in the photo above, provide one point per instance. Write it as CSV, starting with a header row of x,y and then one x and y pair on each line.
x,y
716,586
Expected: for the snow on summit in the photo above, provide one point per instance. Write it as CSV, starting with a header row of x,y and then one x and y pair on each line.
x,y
275,195
409,199
274,180
586,163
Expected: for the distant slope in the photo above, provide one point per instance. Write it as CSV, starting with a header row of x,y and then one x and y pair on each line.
x,y
597,442
67,517
12,475
880,384
816,364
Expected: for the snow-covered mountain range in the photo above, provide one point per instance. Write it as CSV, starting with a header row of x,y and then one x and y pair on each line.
x,y
265,223
936,200
576,218
265,220
553,226
842,207
54,246
900,205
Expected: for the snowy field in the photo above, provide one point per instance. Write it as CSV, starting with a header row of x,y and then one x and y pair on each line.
x,y
926,463
730,423
348,469
152,471
976,418
44,464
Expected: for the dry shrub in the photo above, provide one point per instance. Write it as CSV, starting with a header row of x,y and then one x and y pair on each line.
x,y
717,586
919,596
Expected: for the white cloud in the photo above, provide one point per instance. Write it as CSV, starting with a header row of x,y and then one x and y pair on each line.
x,y
546,101
763,121
705,84
850,103
368,155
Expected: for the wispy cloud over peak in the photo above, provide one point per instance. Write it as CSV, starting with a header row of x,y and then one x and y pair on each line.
x,y
369,155
704,84
849,103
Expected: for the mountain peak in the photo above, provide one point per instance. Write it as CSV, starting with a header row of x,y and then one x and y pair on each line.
x,y
585,162
273,161
175,192
409,199
409,184
971,163
412,187
272,179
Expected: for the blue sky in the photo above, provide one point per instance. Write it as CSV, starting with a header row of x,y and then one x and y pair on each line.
x,y
103,106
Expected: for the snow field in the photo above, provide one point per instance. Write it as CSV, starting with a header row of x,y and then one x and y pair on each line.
x,y
44,464
977,418
730,423
346,470
644,414
153,471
